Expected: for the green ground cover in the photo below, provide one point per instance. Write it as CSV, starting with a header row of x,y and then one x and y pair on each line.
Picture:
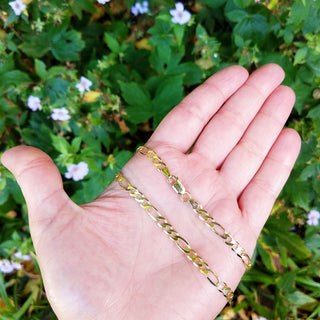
x,y
87,82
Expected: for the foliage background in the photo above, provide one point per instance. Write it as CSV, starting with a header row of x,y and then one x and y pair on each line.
x,y
141,66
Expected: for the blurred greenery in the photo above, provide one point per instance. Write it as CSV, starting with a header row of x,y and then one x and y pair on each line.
x,y
140,67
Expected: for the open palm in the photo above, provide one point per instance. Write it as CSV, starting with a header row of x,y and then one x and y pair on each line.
x,y
108,260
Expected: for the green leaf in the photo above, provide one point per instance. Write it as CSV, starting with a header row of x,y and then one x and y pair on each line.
x,y
121,158
40,69
16,192
314,113
140,105
35,46
178,31
14,77
313,59
60,144
56,71
161,39
112,43
313,243
298,13
242,3
254,275
279,227
68,46
24,308
302,92
288,36
201,33
90,189
138,115
135,95
299,298
3,294
286,281
7,63
4,195
78,5
56,88
236,15
76,143
311,170
301,55
193,74
267,256
168,95
308,283
253,27
312,24
213,3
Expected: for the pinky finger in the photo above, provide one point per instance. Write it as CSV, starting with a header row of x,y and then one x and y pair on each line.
x,y
258,197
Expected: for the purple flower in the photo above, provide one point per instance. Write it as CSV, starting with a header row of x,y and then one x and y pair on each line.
x,y
17,6
84,84
77,171
140,8
16,265
313,218
6,266
34,103
25,257
103,1
61,114
179,15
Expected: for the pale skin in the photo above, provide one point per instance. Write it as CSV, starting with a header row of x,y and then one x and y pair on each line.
x,y
109,260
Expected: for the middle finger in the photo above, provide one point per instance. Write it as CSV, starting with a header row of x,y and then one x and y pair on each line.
x,y
228,125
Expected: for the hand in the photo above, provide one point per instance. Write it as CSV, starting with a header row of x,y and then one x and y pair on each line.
x,y
108,260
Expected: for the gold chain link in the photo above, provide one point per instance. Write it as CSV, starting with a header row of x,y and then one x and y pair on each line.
x,y
181,243
196,206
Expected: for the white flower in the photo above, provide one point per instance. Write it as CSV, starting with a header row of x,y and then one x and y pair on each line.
x,y
140,8
179,15
16,265
84,84
6,266
77,171
25,257
34,103
260,318
313,218
61,114
17,6
103,1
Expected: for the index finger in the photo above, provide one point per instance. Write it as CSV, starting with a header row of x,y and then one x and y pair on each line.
x,y
181,127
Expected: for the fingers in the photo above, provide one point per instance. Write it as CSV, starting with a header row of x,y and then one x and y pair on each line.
x,y
39,179
259,196
246,158
227,127
181,127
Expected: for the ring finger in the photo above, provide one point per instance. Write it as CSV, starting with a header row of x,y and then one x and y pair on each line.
x,y
228,125
246,158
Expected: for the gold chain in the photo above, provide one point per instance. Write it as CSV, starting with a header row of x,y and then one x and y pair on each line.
x,y
181,243
196,206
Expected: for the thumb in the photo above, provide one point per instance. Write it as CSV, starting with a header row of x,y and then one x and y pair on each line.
x,y
39,180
